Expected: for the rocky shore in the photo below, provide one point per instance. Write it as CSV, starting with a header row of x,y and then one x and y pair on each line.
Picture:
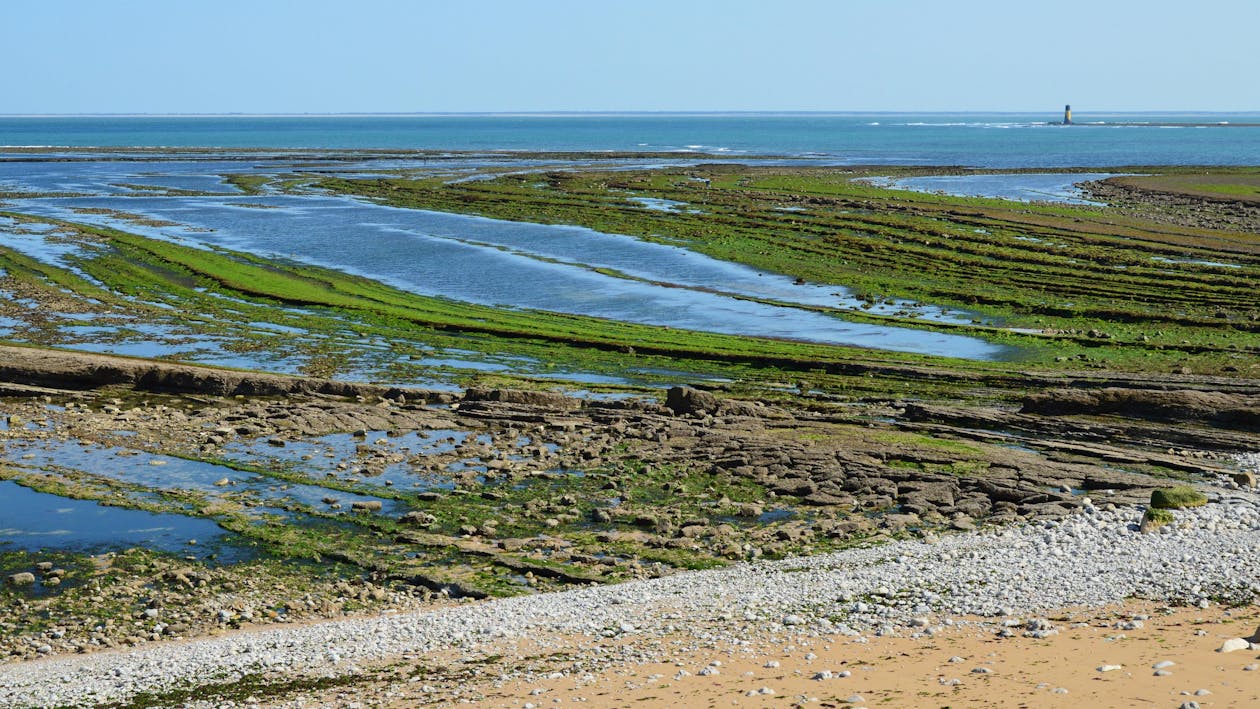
x,y
1091,558
838,518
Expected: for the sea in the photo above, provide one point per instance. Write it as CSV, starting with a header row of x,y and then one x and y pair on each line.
x,y
991,140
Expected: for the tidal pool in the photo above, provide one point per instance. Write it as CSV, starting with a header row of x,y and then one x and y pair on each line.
x,y
167,472
32,521
348,456
509,264
1022,187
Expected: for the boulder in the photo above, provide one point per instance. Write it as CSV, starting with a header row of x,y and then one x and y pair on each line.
x,y
419,519
1153,519
1175,498
24,578
685,400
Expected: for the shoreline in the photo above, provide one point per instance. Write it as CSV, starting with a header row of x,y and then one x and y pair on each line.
x,y
910,590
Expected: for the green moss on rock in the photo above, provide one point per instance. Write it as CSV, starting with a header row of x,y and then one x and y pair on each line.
x,y
1175,498
1154,518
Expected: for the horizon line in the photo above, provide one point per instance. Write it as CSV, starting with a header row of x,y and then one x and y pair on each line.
x,y
662,112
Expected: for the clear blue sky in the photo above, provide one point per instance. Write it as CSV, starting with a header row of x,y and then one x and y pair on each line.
x,y
320,56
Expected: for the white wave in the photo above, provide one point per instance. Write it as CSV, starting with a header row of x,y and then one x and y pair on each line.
x,y
28,533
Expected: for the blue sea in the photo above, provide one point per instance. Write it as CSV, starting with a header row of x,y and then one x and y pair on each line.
x,y
1003,140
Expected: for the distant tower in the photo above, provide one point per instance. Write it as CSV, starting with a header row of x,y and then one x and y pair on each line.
x,y
1067,115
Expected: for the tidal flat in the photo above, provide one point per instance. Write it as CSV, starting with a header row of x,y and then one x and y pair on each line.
x,y
366,436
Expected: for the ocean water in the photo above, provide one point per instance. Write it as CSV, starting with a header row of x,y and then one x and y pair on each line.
x,y
1004,140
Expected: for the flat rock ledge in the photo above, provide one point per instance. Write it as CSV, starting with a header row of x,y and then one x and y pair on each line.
x,y
1091,558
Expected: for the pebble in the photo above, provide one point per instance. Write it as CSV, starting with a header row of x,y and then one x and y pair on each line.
x,y
1163,665
1110,668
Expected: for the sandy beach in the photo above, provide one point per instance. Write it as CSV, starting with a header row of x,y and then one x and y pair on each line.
x,y
968,665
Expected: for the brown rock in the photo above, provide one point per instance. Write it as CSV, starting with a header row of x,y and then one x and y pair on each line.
x,y
685,400
24,578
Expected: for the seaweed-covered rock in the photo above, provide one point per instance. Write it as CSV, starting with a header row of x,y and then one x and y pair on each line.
x,y
1154,518
1175,498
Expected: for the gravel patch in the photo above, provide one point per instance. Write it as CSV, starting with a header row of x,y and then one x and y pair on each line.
x,y
1093,558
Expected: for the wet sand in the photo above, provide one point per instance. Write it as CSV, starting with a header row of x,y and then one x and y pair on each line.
x,y
1058,671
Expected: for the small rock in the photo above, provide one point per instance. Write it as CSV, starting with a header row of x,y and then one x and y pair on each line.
x,y
24,578
1163,673
1163,665
856,699
1110,668
1233,645
982,671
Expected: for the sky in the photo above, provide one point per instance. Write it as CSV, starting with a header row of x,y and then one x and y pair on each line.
x,y
422,56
